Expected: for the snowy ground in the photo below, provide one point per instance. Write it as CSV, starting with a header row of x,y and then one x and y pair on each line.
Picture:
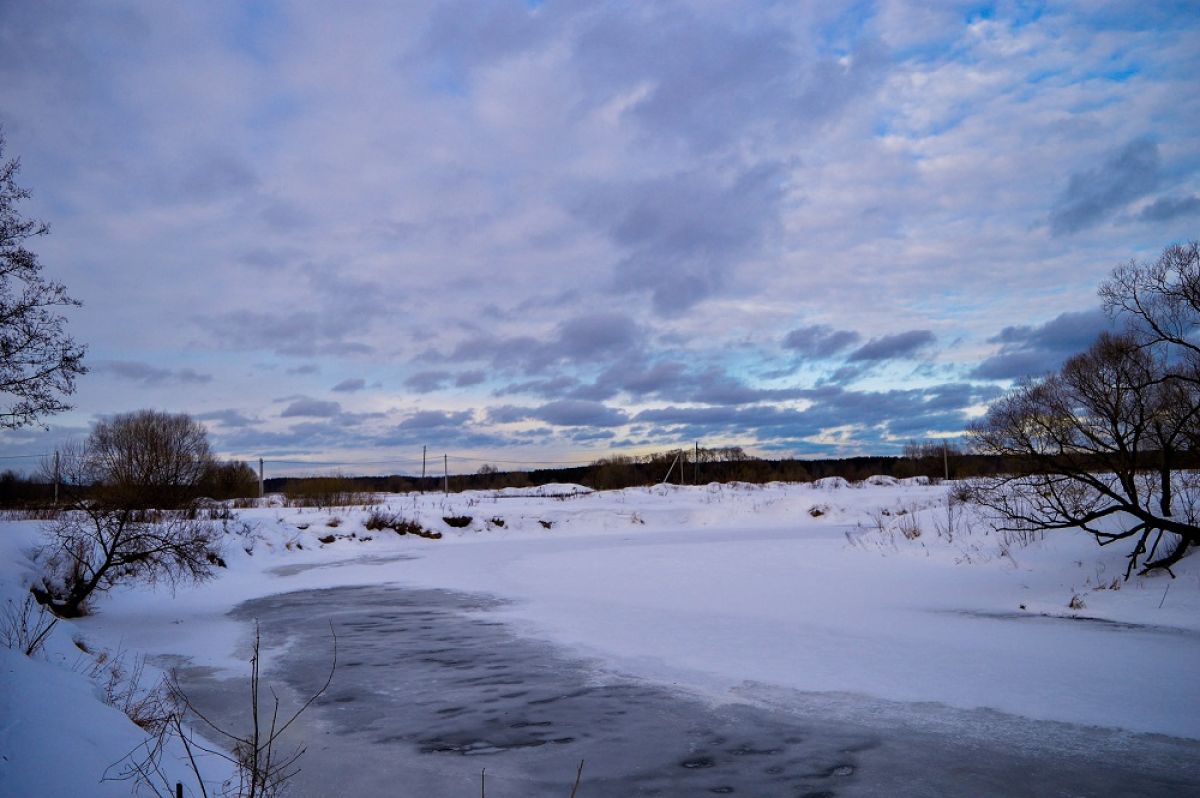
x,y
859,600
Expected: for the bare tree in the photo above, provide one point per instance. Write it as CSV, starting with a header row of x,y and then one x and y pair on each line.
x,y
129,518
1088,448
38,360
148,458
1161,302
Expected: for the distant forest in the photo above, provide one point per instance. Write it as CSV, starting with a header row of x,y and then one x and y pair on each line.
x,y
236,480
729,464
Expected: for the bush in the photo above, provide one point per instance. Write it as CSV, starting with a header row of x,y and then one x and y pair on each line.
x,y
382,519
232,479
325,492
457,521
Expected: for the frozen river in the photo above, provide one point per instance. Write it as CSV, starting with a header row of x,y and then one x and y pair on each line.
x,y
431,690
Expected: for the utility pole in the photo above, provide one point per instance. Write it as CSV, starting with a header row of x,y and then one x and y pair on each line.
x,y
446,474
696,470
261,482
56,478
946,458
423,448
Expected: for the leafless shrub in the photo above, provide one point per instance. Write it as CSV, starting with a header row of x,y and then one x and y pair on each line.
x,y
25,627
149,707
30,513
262,768
383,519
908,527
949,525
91,549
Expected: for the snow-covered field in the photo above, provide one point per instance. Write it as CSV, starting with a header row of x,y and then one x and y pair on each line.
x,y
730,592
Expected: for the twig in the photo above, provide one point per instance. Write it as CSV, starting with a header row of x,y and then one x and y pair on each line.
x,y
1164,598
578,776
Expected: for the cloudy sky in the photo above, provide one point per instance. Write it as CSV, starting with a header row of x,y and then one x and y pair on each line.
x,y
542,231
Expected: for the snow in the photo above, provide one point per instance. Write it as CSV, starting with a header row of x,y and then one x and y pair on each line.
x,y
877,588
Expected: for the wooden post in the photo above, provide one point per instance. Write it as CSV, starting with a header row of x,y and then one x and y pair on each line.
x,y
667,478
696,471
261,482
446,474
946,458
179,789
56,478
423,448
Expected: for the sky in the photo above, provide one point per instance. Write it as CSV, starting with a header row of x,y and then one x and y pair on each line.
x,y
544,232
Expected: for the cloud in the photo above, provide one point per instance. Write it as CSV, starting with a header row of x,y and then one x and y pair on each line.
x,y
595,334
682,235
466,379
1165,209
227,418
1033,350
314,408
434,419
708,80
350,385
1093,195
151,375
877,417
819,340
579,413
427,381
303,333
555,386
891,347
213,175
580,341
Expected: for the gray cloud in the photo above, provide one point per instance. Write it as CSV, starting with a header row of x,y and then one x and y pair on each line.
x,y
555,386
710,81
594,334
1165,209
431,419
427,381
314,408
303,333
683,234
590,339
1093,195
579,413
877,416
466,379
890,347
1033,350
151,375
819,340
215,174
350,385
